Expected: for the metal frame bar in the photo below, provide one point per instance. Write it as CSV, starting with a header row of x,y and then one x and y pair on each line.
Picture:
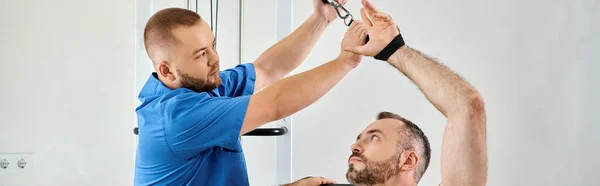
x,y
240,31
283,162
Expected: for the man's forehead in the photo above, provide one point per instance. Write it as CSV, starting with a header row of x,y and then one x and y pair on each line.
x,y
197,34
384,125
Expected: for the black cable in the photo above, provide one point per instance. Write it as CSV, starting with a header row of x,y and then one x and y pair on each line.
x,y
216,22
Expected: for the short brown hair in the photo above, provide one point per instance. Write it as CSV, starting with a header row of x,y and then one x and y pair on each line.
x,y
158,32
413,136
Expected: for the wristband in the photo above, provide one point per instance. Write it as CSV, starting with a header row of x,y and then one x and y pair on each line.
x,y
394,45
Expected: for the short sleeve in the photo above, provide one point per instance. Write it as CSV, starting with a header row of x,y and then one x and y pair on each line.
x,y
238,81
197,122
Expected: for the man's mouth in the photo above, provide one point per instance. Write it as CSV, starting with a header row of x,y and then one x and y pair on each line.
x,y
214,71
354,159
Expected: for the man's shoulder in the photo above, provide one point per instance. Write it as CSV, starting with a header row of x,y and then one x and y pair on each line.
x,y
244,69
178,97
237,81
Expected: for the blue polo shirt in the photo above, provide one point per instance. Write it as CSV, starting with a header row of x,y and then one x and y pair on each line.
x,y
192,138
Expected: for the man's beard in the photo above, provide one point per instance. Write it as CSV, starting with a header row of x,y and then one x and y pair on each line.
x,y
197,84
375,172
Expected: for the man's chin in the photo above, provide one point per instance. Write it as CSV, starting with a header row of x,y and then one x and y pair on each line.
x,y
216,80
353,170
351,175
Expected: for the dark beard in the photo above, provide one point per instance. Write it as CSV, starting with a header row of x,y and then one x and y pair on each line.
x,y
375,172
196,84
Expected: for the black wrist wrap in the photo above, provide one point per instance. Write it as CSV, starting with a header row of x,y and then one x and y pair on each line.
x,y
394,45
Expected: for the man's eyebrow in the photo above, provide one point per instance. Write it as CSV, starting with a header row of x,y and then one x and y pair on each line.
x,y
370,132
198,50
204,48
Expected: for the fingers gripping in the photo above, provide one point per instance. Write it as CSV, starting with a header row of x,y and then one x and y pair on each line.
x,y
364,32
359,26
353,26
311,180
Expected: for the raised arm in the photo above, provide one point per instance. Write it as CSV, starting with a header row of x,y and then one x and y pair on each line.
x,y
464,157
296,92
287,54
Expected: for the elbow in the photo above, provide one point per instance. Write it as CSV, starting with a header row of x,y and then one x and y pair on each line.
x,y
277,115
472,106
284,105
475,103
278,111
475,111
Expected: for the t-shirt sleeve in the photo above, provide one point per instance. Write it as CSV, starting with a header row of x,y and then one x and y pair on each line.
x,y
238,81
197,122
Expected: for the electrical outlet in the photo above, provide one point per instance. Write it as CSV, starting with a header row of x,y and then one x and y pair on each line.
x,y
22,163
16,163
4,163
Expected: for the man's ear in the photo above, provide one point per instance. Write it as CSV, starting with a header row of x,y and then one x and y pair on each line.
x,y
409,160
165,71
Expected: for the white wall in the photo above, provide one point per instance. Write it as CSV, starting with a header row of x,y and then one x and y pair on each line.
x,y
535,63
67,90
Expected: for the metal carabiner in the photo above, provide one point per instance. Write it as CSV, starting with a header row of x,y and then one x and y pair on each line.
x,y
337,6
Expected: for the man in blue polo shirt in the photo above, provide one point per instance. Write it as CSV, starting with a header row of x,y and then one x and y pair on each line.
x,y
192,114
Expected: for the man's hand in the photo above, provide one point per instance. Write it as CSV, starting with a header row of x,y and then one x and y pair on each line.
x,y
355,36
381,29
326,11
311,181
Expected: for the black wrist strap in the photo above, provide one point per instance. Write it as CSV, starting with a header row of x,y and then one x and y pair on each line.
x,y
394,45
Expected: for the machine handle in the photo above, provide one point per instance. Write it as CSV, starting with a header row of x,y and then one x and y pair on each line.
x,y
256,132
267,132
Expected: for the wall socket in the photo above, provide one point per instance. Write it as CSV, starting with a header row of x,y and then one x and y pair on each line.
x,y
16,163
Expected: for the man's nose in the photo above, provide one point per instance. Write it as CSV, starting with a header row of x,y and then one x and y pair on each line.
x,y
214,58
355,148
213,62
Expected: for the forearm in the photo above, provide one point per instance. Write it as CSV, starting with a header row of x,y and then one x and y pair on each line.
x,y
447,91
287,54
464,151
295,93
